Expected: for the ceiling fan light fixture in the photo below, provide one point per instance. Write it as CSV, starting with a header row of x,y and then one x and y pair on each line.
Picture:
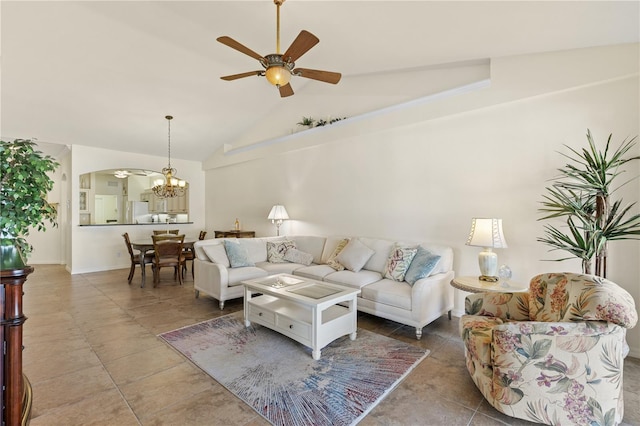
x,y
278,75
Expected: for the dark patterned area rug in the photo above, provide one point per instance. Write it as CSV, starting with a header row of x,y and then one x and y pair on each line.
x,y
280,380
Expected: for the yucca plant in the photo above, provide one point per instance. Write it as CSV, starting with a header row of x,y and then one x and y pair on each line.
x,y
581,193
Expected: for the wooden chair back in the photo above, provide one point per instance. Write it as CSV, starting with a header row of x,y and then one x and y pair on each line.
x,y
127,241
167,237
164,231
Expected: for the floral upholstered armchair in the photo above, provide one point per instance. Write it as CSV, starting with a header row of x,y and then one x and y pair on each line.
x,y
554,354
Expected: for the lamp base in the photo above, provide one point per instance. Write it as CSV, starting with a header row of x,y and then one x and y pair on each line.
x,y
488,278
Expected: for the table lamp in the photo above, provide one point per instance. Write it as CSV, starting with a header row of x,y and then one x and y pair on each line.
x,y
277,214
487,233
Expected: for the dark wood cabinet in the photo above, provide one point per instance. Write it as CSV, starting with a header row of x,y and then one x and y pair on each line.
x,y
235,234
16,389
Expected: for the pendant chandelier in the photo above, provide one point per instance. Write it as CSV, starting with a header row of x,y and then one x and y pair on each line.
x,y
169,186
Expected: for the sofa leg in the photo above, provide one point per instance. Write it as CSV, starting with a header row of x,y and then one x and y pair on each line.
x,y
221,304
449,314
418,333
197,294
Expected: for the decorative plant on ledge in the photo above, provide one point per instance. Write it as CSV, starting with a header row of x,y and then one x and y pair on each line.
x,y
311,122
582,194
23,198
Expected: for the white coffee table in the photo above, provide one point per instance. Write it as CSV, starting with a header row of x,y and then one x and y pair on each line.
x,y
311,312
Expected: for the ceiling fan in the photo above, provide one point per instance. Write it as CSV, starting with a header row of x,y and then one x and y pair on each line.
x,y
278,68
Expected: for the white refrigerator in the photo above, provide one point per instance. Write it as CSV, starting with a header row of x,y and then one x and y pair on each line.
x,y
138,212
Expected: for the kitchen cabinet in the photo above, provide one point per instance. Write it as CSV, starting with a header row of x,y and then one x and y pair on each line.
x,y
176,205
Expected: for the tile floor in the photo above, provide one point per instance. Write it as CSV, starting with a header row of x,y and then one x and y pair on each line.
x,y
92,356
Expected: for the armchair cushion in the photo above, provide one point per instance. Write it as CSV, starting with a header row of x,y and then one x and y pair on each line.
x,y
573,297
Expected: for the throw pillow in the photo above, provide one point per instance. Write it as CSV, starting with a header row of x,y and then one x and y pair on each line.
x,y
398,262
217,254
331,261
296,256
354,255
238,255
276,250
423,263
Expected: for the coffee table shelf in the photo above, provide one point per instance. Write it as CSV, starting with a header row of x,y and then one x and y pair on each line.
x,y
313,322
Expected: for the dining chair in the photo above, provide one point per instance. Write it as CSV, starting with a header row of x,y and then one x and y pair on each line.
x,y
135,257
166,237
165,231
167,253
190,255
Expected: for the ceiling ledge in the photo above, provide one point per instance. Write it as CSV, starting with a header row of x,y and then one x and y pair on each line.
x,y
370,122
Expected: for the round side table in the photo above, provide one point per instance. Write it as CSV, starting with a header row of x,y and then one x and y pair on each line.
x,y
474,285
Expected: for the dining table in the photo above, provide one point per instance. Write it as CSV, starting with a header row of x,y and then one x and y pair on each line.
x,y
144,245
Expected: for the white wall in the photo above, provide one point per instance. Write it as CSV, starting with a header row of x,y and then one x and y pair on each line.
x,y
99,248
49,246
488,153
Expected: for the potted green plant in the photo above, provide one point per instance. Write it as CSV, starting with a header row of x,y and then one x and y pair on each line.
x,y
23,198
306,122
582,194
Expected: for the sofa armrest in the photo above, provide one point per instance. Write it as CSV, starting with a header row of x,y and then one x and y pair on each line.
x,y
508,306
211,278
431,297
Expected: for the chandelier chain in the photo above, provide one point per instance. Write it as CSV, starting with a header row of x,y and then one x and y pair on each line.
x,y
171,186
169,118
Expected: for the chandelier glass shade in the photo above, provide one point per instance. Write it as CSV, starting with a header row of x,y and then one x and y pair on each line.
x,y
169,186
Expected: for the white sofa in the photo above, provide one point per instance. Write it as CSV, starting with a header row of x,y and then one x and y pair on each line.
x,y
418,305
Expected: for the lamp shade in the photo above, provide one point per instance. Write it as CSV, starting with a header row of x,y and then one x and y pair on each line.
x,y
278,212
486,233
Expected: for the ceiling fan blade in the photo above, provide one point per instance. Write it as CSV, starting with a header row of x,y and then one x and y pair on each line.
x,y
242,75
325,76
286,90
228,41
300,46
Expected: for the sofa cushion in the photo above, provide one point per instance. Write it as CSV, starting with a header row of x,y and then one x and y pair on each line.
x,y
332,260
276,250
389,292
398,262
422,265
353,279
354,255
279,268
238,255
310,244
382,248
217,254
257,247
237,275
294,255
315,272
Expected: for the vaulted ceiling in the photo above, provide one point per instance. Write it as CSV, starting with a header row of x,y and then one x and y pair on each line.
x,y
105,73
